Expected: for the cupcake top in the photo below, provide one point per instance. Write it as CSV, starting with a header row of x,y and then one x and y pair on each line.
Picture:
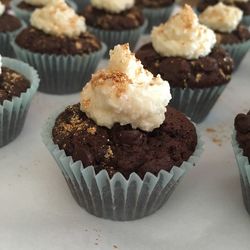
x,y
182,35
37,2
2,8
58,19
125,93
221,17
113,6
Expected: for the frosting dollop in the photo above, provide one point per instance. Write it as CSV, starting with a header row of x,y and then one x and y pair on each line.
x,y
125,93
37,2
115,6
182,35
2,8
221,17
58,19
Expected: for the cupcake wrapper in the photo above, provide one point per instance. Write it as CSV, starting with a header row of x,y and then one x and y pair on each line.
x,y
81,4
61,74
246,20
116,198
13,113
156,16
244,169
25,14
237,51
112,38
195,103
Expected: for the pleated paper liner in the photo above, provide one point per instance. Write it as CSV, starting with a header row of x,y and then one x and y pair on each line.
x,y
116,198
112,38
13,113
195,103
246,20
237,51
81,4
61,74
156,16
244,170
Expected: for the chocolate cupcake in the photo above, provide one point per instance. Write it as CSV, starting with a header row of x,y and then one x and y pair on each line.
x,y
230,34
24,8
241,145
59,47
156,11
9,26
115,22
18,84
122,150
183,52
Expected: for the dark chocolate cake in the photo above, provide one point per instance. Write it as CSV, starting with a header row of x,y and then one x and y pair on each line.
x,y
154,3
9,23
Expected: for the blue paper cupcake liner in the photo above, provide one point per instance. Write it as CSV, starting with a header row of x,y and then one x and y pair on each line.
x,y
156,16
237,51
244,170
81,4
112,38
195,103
246,20
116,198
13,113
61,74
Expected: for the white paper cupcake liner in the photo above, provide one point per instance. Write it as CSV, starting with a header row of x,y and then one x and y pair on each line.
x,y
237,51
156,16
116,198
244,169
112,38
13,113
61,74
195,103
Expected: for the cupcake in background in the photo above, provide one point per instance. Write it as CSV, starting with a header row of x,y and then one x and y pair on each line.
x,y
18,84
9,26
81,4
156,11
122,150
230,34
183,52
115,22
24,8
241,145
59,47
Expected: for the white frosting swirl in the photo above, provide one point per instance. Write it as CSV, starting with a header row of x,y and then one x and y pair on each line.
x,y
115,6
58,19
126,93
37,2
2,8
182,35
221,17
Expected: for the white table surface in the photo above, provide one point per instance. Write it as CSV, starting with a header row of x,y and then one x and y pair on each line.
x,y
205,212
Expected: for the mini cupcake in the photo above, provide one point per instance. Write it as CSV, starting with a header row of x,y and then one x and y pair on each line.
x,y
18,84
156,11
244,5
122,151
59,47
230,34
115,22
241,145
183,52
24,8
9,26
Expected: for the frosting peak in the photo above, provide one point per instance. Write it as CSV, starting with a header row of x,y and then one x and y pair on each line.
x,y
58,19
115,6
2,8
221,17
37,2
182,35
125,93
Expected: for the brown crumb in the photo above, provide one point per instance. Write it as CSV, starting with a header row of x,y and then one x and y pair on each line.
x,y
210,130
217,141
115,246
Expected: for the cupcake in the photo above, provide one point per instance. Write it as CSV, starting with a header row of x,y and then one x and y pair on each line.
x,y
230,34
121,150
24,8
244,5
241,145
18,84
156,11
115,22
183,52
9,26
59,47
